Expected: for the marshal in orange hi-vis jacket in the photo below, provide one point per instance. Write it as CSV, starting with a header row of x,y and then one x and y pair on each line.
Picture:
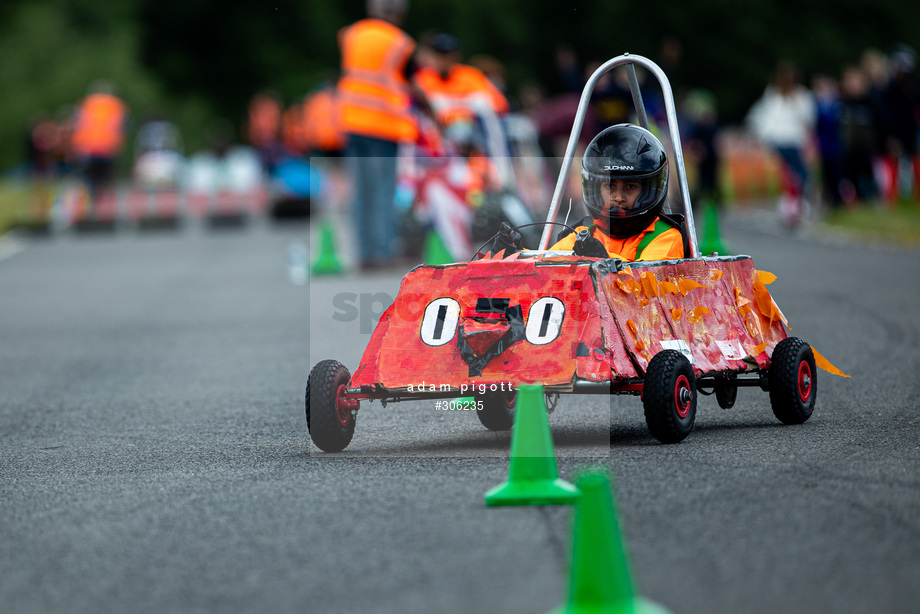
x,y
99,128
373,91
452,94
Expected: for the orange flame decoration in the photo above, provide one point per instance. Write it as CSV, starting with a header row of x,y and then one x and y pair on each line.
x,y
770,309
649,283
632,327
627,285
825,364
765,277
715,274
686,285
696,314
766,304
667,287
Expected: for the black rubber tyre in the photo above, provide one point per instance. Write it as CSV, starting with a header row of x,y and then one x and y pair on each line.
x,y
330,424
793,381
497,413
726,392
669,396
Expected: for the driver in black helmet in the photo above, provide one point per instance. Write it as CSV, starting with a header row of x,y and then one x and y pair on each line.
x,y
624,180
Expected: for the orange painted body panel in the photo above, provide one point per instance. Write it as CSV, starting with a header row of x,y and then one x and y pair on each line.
x,y
577,320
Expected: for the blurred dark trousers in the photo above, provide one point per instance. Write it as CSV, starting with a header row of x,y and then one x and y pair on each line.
x,y
372,163
792,156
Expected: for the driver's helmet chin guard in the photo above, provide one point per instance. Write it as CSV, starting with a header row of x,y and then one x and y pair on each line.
x,y
628,152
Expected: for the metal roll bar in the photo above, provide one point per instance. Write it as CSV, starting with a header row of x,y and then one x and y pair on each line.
x,y
678,162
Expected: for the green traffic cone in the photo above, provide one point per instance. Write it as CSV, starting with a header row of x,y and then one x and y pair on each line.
x,y
328,262
533,478
712,239
435,250
599,576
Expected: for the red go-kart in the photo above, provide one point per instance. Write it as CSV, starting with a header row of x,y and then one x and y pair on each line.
x,y
663,330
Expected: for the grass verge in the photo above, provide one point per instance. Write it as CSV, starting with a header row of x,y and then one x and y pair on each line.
x,y
13,197
897,225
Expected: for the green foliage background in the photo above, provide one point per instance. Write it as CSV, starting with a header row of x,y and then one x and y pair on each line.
x,y
199,60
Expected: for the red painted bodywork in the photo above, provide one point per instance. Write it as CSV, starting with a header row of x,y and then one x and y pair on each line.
x,y
614,322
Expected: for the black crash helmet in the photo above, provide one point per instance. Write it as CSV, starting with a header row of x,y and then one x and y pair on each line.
x,y
627,152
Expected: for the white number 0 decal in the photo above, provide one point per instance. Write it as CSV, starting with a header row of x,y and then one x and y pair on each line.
x,y
440,321
544,320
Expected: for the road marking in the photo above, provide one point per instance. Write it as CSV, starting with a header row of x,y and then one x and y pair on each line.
x,y
9,247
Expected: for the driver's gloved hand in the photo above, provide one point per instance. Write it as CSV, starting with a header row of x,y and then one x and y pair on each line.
x,y
508,239
588,246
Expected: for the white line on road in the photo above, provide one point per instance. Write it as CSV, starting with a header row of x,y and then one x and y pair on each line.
x,y
9,247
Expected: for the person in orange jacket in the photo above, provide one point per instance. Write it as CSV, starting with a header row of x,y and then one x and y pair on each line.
x,y
98,137
263,128
322,123
375,96
624,178
451,86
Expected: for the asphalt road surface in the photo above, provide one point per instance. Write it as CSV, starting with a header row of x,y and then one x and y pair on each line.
x,y
154,454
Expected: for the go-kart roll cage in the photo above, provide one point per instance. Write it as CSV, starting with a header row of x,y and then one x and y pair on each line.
x,y
629,61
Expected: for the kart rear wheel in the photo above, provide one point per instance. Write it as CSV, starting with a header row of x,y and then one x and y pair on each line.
x,y
497,413
330,417
793,381
669,396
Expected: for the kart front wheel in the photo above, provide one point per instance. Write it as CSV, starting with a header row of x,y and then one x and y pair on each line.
x,y
330,416
497,413
793,381
669,396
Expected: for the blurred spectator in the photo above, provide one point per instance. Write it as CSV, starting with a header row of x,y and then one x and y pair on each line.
x,y
262,129
293,130
41,146
98,138
65,118
784,118
611,101
703,125
158,155
860,126
670,54
827,127
493,69
877,69
323,124
568,74
375,93
453,88
902,98
42,143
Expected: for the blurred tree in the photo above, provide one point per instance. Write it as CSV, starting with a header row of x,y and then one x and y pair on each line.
x,y
198,60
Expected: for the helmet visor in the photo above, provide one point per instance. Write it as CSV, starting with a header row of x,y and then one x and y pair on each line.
x,y
635,194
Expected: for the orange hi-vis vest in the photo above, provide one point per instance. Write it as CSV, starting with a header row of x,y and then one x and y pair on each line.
x,y
373,91
99,129
451,97
293,129
665,244
265,118
323,122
